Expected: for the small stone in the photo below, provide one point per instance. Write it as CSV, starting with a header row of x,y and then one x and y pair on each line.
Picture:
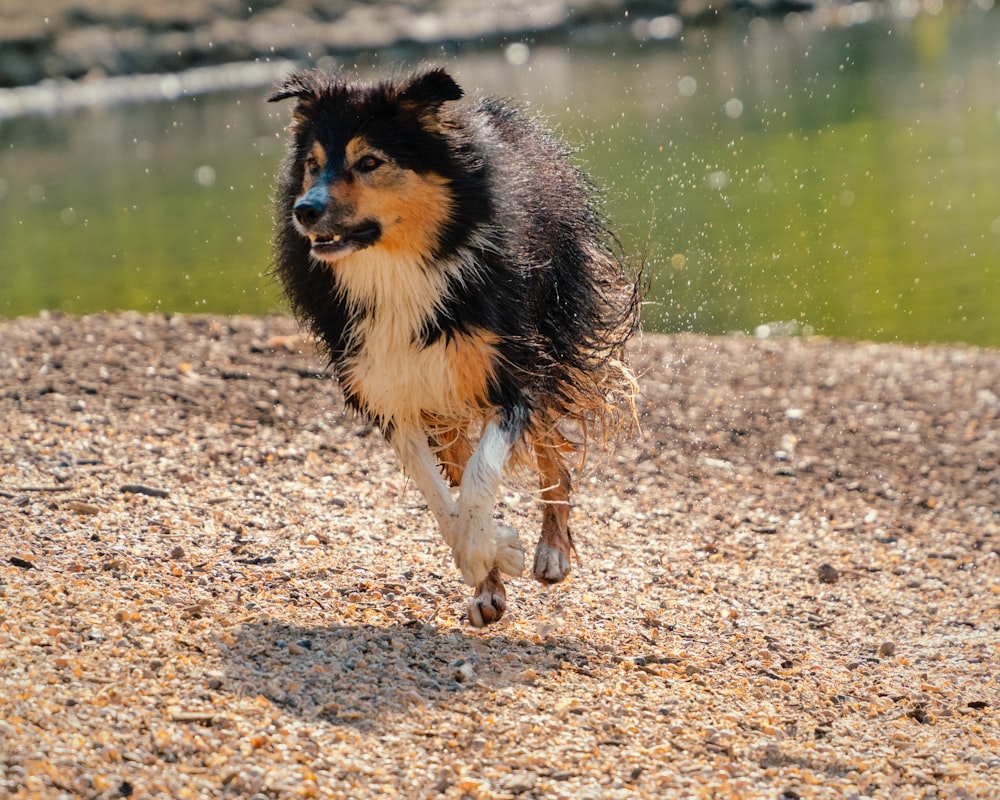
x,y
887,649
828,573
140,488
518,782
177,552
80,507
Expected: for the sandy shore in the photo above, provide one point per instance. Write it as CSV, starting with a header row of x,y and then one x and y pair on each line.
x,y
213,583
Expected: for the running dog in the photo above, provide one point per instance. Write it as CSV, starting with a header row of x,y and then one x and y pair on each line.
x,y
453,263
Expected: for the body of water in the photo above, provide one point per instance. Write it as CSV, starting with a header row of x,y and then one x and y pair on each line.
x,y
776,177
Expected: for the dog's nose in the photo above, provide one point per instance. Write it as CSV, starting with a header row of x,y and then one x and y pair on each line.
x,y
308,210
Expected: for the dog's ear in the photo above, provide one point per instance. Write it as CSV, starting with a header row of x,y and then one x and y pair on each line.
x,y
306,86
427,91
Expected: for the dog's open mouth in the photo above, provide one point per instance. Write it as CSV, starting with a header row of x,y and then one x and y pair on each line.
x,y
331,246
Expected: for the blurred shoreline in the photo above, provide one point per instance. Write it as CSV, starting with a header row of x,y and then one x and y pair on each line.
x,y
87,40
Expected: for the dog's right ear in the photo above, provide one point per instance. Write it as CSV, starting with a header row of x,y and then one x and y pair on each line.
x,y
306,86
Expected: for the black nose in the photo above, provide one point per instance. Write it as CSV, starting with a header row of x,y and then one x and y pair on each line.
x,y
308,210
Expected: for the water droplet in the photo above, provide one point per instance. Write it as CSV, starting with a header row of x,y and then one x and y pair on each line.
x,y
517,53
204,175
666,27
718,179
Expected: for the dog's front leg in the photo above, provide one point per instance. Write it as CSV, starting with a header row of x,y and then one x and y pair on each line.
x,y
480,544
418,461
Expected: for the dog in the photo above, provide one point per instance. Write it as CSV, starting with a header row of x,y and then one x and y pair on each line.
x,y
452,261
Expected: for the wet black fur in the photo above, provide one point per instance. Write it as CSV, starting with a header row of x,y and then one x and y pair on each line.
x,y
550,285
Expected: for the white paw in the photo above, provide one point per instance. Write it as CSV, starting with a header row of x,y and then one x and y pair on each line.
x,y
510,554
475,552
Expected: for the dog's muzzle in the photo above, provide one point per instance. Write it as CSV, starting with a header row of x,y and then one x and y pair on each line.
x,y
330,237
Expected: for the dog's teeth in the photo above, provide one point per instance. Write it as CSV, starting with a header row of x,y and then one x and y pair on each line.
x,y
336,237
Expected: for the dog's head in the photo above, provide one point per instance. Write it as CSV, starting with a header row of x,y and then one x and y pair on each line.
x,y
370,165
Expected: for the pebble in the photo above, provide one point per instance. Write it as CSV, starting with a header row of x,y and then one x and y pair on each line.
x,y
140,488
828,573
80,507
517,782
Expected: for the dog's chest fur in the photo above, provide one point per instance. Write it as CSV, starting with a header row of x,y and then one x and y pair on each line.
x,y
390,371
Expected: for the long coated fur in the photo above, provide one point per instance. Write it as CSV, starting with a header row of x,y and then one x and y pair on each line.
x,y
453,262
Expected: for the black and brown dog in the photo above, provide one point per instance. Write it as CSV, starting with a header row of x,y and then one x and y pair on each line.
x,y
452,261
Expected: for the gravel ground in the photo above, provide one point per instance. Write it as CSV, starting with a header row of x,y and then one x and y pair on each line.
x,y
213,583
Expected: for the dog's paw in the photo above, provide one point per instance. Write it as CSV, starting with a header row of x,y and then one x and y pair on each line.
x,y
552,564
510,553
490,602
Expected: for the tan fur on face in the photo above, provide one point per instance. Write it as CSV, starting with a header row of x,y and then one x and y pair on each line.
x,y
410,208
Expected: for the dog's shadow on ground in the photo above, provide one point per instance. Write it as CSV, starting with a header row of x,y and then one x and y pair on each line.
x,y
362,674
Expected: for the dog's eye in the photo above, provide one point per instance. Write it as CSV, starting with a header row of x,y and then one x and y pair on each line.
x,y
368,163
311,165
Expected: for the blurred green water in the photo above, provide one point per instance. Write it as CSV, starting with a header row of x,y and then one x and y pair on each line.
x,y
845,181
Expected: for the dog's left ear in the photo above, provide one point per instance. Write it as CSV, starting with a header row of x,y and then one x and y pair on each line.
x,y
429,90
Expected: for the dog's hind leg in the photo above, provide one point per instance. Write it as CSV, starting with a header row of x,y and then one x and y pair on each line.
x,y
555,545
453,450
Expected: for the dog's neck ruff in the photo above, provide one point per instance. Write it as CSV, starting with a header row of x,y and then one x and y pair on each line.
x,y
393,374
